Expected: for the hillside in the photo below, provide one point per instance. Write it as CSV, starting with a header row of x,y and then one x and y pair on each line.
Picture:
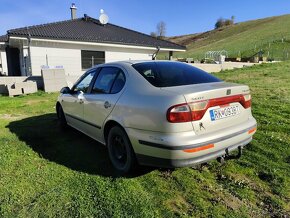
x,y
272,35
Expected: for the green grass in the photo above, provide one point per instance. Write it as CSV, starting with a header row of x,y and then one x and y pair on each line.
x,y
244,39
46,172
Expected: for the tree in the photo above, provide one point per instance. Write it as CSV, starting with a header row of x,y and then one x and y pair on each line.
x,y
233,19
161,29
153,34
219,23
227,22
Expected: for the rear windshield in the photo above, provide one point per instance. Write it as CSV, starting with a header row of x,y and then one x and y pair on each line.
x,y
167,74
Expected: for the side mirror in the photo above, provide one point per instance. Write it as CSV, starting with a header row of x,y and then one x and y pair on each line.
x,y
65,90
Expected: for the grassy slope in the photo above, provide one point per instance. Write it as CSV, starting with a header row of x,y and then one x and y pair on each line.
x,y
242,37
47,172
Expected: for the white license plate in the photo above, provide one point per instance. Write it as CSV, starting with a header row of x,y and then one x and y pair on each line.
x,y
224,112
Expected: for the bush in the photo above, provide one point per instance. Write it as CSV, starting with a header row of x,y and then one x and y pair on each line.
x,y
221,22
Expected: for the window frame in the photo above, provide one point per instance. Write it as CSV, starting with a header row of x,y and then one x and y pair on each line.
x,y
83,68
97,75
96,72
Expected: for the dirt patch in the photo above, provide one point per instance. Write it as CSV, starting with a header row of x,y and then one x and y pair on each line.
x,y
34,101
179,204
12,116
232,202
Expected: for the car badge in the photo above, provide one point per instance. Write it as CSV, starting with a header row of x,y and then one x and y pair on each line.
x,y
201,126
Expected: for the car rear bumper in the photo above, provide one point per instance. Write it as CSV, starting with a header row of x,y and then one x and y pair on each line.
x,y
174,163
188,149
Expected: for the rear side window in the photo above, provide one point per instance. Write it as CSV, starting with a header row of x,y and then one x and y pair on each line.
x,y
167,74
110,80
118,84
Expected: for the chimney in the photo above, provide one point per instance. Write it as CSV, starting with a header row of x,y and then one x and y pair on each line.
x,y
73,11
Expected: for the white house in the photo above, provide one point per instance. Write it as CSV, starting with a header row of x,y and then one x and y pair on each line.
x,y
75,45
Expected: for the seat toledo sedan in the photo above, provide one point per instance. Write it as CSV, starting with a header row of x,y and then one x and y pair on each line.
x,y
158,113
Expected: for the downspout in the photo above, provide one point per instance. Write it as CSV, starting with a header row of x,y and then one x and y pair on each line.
x,y
29,53
1,67
155,53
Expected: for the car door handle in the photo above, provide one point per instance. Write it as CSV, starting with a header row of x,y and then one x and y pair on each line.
x,y
107,104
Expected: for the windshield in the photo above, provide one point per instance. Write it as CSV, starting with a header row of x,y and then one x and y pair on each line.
x,y
167,74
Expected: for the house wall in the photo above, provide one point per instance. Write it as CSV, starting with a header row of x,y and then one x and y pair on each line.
x,y
126,55
43,56
69,56
3,62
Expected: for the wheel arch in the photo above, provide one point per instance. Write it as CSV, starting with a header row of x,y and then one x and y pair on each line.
x,y
57,107
109,125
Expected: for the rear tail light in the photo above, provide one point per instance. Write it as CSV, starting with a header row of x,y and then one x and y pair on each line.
x,y
247,101
179,113
196,110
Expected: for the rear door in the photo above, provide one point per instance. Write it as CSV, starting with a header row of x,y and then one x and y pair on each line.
x,y
99,103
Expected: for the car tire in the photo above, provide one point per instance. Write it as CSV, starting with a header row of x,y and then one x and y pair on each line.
x,y
61,117
120,150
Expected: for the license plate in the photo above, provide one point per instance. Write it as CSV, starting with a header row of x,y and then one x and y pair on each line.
x,y
224,112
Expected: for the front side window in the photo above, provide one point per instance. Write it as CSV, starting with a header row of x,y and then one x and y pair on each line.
x,y
84,84
92,58
167,74
110,80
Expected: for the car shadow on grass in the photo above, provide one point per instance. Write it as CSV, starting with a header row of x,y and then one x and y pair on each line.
x,y
68,147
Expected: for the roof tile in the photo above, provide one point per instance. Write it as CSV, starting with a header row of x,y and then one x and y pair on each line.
x,y
91,30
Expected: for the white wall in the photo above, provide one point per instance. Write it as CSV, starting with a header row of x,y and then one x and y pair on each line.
x,y
69,56
3,61
213,68
70,59
122,56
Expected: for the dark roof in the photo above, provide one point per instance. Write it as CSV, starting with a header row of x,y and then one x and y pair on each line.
x,y
91,30
4,38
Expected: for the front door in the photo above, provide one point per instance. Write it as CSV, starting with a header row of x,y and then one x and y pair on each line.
x,y
13,61
98,104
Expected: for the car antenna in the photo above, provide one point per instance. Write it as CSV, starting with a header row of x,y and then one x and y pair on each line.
x,y
156,53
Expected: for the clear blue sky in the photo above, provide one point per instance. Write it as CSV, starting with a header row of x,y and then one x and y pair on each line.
x,y
180,16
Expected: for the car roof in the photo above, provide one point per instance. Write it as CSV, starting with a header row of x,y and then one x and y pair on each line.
x,y
131,62
138,61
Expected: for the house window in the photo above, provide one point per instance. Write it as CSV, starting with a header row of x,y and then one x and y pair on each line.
x,y
92,58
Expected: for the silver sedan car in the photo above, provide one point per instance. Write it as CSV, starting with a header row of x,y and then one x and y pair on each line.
x,y
158,113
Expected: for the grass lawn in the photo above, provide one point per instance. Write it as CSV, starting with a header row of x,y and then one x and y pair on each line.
x,y
46,172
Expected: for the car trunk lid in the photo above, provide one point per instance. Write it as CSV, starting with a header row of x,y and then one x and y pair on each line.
x,y
222,104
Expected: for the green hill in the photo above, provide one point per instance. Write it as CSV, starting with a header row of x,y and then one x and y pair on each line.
x,y
271,35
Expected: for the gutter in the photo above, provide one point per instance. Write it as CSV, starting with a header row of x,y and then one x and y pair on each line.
x,y
100,44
